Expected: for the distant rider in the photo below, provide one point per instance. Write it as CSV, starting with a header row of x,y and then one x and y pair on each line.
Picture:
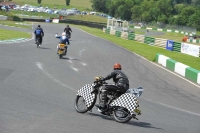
x,y
68,30
39,33
63,40
121,84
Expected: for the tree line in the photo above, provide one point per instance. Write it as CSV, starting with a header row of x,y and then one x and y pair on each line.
x,y
176,12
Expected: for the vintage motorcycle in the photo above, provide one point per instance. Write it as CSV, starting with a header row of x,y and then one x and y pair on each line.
x,y
68,35
62,51
122,107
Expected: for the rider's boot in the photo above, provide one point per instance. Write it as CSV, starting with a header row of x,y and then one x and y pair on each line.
x,y
65,51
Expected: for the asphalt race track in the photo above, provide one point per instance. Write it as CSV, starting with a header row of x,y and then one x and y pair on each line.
x,y
37,89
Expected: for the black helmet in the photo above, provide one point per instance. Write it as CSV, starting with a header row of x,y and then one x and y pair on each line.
x,y
67,25
38,25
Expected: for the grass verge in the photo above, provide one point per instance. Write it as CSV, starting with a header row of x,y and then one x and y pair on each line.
x,y
11,34
147,51
16,24
79,4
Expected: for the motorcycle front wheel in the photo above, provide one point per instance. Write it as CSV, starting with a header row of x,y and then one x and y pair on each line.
x,y
80,105
121,115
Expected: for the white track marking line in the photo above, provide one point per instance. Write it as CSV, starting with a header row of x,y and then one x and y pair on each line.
x,y
172,107
146,60
84,64
75,69
40,66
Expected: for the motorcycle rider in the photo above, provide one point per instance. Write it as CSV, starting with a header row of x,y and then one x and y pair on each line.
x,y
63,40
39,33
68,30
121,85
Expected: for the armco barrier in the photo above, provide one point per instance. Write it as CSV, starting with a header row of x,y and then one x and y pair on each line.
x,y
68,21
177,67
2,17
85,23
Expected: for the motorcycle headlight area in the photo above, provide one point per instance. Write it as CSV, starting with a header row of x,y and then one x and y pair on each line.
x,y
137,111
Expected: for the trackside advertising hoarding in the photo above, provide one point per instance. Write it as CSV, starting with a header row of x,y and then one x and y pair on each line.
x,y
170,45
190,49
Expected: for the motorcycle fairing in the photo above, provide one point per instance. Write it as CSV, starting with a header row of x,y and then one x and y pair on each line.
x,y
85,92
128,101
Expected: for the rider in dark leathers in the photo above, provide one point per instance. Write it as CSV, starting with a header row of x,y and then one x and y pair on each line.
x,y
68,30
121,84
39,33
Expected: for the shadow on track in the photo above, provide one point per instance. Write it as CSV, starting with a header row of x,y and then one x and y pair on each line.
x,y
45,48
131,122
66,58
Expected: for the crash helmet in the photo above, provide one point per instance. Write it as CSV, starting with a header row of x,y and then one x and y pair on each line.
x,y
117,66
63,34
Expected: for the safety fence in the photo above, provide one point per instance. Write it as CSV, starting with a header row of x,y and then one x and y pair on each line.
x,y
171,45
169,30
2,17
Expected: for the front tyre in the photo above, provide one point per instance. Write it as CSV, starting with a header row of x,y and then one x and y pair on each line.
x,y
80,105
121,115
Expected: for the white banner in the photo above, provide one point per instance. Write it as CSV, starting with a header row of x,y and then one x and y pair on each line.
x,y
190,49
55,21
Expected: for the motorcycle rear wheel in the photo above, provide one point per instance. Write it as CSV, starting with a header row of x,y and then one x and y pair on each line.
x,y
60,56
77,105
125,115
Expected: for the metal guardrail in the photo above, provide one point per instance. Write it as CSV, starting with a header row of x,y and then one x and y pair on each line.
x,y
77,22
2,17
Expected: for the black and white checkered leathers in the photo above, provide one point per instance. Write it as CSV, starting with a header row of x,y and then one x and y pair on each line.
x,y
85,92
127,101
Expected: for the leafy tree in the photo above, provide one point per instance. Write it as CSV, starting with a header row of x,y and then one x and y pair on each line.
x,y
194,20
67,2
99,5
136,13
123,9
184,15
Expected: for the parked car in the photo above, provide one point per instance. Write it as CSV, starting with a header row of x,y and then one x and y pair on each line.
x,y
84,13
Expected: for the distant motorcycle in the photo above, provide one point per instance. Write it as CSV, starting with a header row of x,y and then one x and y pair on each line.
x,y
122,107
68,35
